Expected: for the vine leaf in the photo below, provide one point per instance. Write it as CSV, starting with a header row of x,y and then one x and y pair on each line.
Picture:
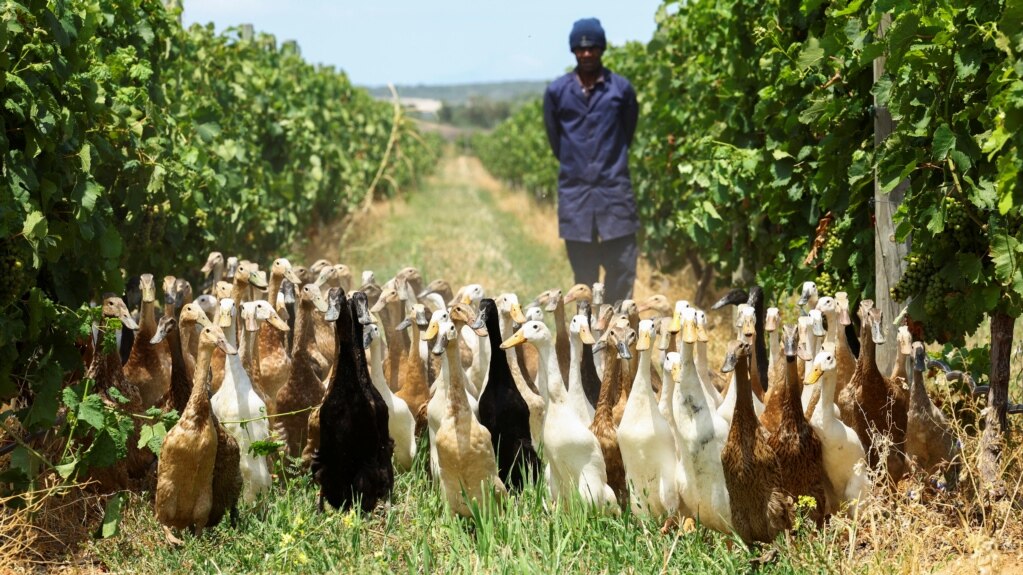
x,y
944,141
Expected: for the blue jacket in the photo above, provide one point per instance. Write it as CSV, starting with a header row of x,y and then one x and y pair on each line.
x,y
591,138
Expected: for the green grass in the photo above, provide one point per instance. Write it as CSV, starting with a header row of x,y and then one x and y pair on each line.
x,y
417,533
455,229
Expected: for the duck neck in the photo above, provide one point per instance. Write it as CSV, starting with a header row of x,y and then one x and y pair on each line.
x,y
249,351
498,361
147,321
792,405
458,402
575,364
642,383
239,291
198,405
376,368
303,327
106,365
867,361
744,416
549,378
702,363
825,410
273,288
832,334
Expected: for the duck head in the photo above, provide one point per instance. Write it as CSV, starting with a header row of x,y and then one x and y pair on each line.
x,y
872,316
738,351
578,292
311,293
657,303
114,308
676,316
166,325
772,319
580,326
281,269
335,299
261,311
808,295
823,362
447,338
214,263
213,335
531,331
148,287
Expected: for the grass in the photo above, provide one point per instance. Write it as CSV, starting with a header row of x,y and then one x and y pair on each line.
x,y
465,227
417,533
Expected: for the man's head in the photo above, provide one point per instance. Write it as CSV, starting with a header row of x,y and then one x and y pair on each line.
x,y
587,42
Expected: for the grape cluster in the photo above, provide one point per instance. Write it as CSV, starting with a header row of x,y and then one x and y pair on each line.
x,y
826,285
934,296
919,269
16,266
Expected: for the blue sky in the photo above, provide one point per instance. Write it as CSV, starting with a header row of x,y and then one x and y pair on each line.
x,y
432,42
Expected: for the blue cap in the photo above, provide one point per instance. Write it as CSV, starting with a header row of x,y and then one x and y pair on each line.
x,y
587,33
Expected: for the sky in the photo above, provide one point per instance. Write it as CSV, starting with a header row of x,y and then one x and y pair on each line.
x,y
432,42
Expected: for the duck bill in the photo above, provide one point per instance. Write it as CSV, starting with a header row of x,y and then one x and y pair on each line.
x,y
804,298
843,314
517,338
291,276
278,322
644,342
405,324
905,342
771,321
623,350
876,332
362,308
320,304
225,346
440,345
919,358
676,372
818,325
257,279
251,323
586,335
749,325
676,322
731,359
431,330
689,332
161,333
815,376
480,323
553,299
517,315
225,320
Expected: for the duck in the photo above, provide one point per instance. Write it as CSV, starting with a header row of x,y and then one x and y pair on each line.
x,y
353,464
107,373
213,271
647,442
712,380
323,331
304,391
274,356
239,290
870,403
414,388
752,328
701,435
579,335
811,330
391,311
169,296
464,317
437,405
845,459
191,318
746,321
776,364
241,410
436,295
551,301
523,360
335,301
655,305
149,366
466,462
504,412
604,426
789,434
508,310
760,508
575,461
588,373
837,318
181,372
184,484
401,425
930,443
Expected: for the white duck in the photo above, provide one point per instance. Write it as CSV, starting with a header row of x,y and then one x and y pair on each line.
x,y
237,405
811,332
400,424
845,460
647,442
509,310
574,459
702,433
578,334
702,362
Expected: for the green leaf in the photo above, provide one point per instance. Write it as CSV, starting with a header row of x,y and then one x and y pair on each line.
x,y
111,517
970,266
117,396
90,410
710,209
944,141
1005,253
811,54
66,470
85,155
208,131
35,226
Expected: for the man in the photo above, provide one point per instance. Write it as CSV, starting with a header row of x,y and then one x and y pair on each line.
x,y
590,115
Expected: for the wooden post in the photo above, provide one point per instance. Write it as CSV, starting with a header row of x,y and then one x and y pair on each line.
x,y
889,255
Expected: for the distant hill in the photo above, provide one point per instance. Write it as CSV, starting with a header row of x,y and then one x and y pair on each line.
x,y
458,94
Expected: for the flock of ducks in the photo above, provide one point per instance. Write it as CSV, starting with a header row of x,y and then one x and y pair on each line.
x,y
618,406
